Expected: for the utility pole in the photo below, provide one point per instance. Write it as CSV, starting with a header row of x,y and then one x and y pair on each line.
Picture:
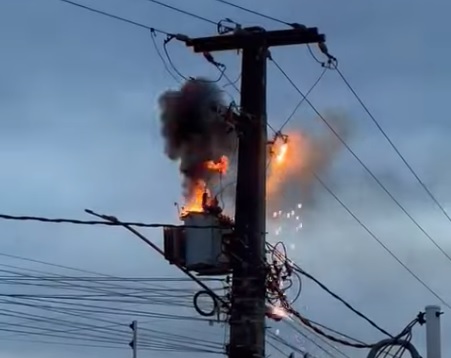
x,y
247,316
134,342
433,332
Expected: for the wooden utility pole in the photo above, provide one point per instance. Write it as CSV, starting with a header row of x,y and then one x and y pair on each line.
x,y
247,321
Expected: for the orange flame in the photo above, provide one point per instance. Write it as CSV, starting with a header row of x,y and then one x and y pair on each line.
x,y
195,203
288,158
220,167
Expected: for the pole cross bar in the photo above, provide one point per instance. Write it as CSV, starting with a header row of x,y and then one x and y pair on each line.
x,y
256,37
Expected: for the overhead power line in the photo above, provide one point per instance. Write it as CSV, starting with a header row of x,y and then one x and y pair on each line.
x,y
88,222
392,144
104,13
70,305
367,169
385,247
318,80
253,12
184,12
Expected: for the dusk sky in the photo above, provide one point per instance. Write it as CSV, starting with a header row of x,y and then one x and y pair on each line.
x,y
79,129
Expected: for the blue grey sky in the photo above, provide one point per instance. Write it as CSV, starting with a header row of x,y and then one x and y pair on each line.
x,y
79,129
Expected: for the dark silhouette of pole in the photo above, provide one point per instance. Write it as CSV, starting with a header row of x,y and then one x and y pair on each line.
x,y
247,320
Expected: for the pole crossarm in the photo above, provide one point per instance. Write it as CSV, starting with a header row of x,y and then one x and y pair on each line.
x,y
256,36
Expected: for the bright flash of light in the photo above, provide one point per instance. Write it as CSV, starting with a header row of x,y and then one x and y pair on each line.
x,y
280,157
289,159
279,312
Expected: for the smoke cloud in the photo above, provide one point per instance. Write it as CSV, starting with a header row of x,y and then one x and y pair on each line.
x,y
196,130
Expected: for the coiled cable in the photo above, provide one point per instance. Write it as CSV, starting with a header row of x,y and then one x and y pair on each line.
x,y
379,347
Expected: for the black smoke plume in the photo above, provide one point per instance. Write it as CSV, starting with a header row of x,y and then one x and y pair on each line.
x,y
196,129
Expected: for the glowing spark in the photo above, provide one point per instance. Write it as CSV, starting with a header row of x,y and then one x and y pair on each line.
x,y
299,206
279,312
292,212
297,217
282,153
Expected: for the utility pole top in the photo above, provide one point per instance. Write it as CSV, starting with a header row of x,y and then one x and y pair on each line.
x,y
257,37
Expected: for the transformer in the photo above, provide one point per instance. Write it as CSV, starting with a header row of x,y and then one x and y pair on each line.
x,y
203,248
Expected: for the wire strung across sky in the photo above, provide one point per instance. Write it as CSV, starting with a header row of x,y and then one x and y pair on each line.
x,y
92,222
71,309
67,308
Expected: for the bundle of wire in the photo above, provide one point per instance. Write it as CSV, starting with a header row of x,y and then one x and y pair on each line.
x,y
281,277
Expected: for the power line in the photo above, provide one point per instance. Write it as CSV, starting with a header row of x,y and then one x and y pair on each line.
x,y
160,55
104,13
319,337
90,222
366,228
367,169
253,12
392,144
318,80
185,12
64,310
374,236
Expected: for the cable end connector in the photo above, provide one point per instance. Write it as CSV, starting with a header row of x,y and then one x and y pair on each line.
x,y
180,37
421,318
209,57
323,48
295,25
